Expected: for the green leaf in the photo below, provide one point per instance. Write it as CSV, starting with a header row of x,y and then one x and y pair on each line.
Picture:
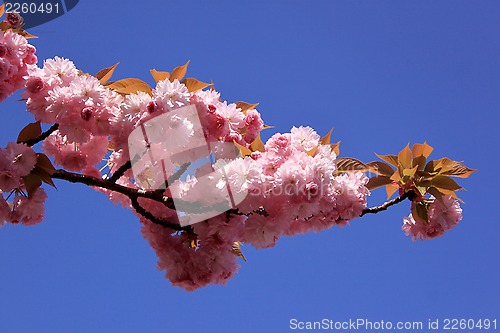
x,y
378,181
29,132
381,168
391,159
179,72
445,182
159,76
105,74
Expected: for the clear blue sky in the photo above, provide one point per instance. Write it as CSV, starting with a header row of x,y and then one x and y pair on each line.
x,y
383,73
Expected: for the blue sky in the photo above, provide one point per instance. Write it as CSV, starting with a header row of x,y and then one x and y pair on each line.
x,y
382,73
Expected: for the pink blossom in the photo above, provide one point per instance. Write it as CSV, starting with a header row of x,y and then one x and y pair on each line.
x,y
442,216
304,138
18,158
170,95
29,210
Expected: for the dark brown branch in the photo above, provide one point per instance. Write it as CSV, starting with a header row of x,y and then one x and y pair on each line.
x,y
42,136
110,185
376,209
121,170
142,211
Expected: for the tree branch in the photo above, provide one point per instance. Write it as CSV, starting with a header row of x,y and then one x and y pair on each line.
x,y
42,136
121,170
111,185
376,209
141,210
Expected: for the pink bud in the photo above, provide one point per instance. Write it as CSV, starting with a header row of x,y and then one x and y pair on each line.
x,y
151,107
87,113
34,85
14,20
3,50
212,108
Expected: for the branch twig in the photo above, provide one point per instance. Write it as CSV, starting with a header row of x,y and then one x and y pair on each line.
x,y
42,136
376,209
121,170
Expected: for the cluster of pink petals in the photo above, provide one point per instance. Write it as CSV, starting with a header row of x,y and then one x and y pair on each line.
x,y
290,188
85,110
442,216
16,161
16,58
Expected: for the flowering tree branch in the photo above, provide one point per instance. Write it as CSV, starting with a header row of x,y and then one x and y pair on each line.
x,y
41,137
292,184
384,206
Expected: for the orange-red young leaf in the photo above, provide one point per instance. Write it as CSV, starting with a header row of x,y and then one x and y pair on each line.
x,y
391,159
445,182
105,74
336,148
2,9
159,76
390,190
44,175
193,84
243,150
405,157
346,164
410,172
31,182
257,144
179,72
244,106
381,168
326,139
419,212
378,181
130,86
436,193
312,151
421,149
419,162
30,131
43,162
236,250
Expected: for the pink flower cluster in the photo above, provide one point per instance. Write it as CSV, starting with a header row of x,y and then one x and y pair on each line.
x,y
17,161
290,188
92,118
442,216
16,58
